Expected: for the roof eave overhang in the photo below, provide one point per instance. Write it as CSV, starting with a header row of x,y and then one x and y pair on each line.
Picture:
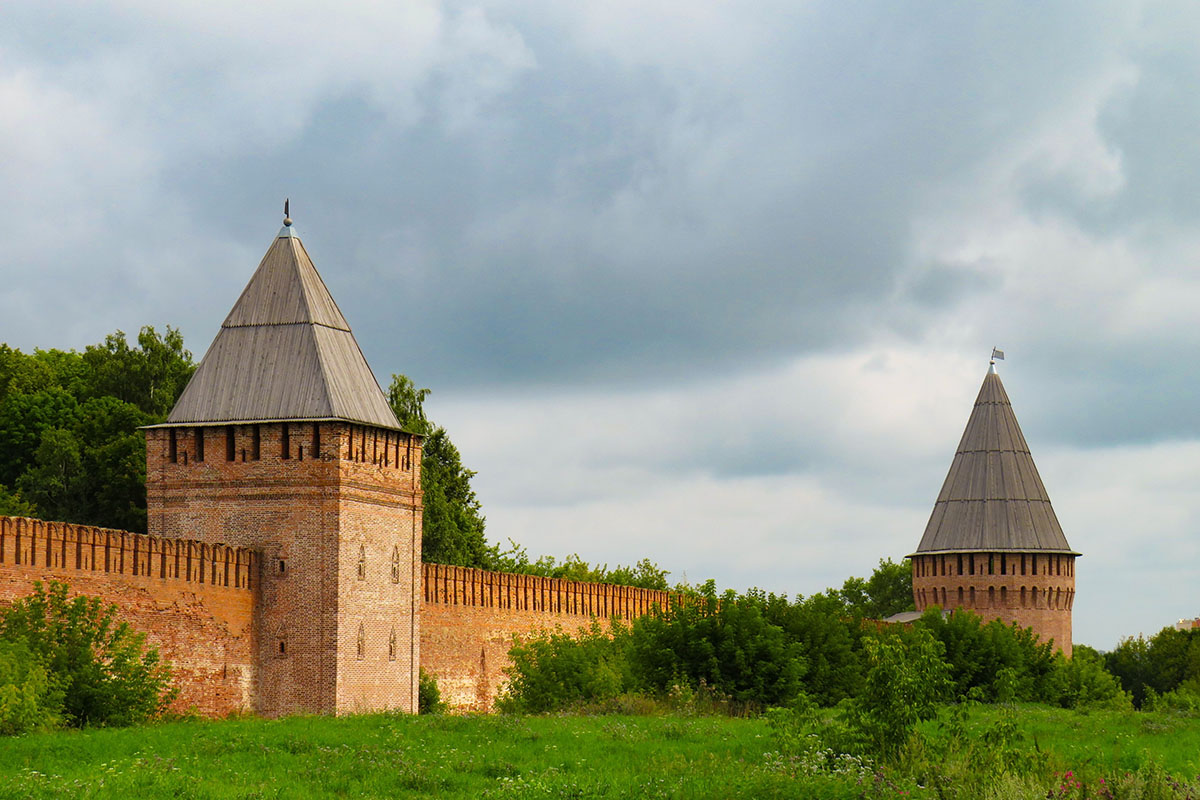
x,y
1034,550
218,422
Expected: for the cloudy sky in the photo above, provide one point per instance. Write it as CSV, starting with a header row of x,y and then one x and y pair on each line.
x,y
709,283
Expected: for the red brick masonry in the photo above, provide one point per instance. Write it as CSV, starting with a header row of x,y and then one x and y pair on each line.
x,y
1034,590
470,618
199,603
196,602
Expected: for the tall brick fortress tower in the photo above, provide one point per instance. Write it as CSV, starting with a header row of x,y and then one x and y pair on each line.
x,y
993,544
284,442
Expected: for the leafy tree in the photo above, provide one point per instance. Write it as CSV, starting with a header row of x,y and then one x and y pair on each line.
x,y
1084,682
13,505
107,674
150,376
1163,663
1130,662
453,519
23,419
55,480
452,531
408,403
645,574
906,678
829,642
69,439
995,660
888,591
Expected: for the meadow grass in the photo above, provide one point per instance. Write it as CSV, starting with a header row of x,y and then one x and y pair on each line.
x,y
562,756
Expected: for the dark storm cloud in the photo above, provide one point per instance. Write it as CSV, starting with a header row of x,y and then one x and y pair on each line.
x,y
526,193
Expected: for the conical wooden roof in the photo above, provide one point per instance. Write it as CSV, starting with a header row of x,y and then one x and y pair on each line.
x,y
993,499
284,352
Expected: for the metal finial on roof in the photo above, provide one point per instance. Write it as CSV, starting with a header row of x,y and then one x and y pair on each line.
x,y
287,217
997,355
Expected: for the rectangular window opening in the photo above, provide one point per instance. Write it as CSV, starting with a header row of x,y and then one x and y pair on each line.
x,y
172,448
285,441
256,443
316,440
199,444
230,443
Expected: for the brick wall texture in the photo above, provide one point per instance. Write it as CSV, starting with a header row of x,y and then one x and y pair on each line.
x,y
199,604
1034,590
470,618
195,602
335,511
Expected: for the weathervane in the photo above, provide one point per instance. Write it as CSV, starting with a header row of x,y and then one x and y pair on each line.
x,y
997,355
287,219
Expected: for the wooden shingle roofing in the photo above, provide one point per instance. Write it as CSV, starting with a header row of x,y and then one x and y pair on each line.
x,y
993,498
284,352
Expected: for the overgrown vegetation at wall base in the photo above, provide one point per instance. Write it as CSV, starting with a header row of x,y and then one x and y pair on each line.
x,y
761,650
70,661
966,752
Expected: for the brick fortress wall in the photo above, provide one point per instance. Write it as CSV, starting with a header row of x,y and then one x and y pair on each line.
x,y
195,601
1034,590
470,618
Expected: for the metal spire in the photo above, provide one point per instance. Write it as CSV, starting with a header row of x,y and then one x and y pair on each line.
x,y
287,231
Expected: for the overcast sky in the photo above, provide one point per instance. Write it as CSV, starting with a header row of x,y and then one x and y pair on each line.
x,y
709,283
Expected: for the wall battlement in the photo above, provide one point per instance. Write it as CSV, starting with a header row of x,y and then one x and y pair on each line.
x,y
466,586
62,547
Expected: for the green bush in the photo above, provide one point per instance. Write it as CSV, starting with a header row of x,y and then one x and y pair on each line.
x,y
1182,700
429,696
727,644
556,670
994,661
1084,683
29,698
906,679
106,673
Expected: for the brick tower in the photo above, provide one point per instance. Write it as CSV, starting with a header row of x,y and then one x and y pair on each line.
x,y
284,442
993,544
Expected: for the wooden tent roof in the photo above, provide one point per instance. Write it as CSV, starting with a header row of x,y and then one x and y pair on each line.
x,y
284,352
993,498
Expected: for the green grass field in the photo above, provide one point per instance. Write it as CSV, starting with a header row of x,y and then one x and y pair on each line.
x,y
582,757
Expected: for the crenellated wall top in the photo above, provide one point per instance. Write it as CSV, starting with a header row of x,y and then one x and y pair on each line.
x,y
62,547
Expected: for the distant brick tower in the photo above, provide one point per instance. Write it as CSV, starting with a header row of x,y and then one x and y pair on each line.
x,y
284,442
993,544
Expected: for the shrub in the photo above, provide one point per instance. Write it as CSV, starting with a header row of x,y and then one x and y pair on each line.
x,y
29,698
107,674
554,670
429,696
906,678
1085,683
1182,700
